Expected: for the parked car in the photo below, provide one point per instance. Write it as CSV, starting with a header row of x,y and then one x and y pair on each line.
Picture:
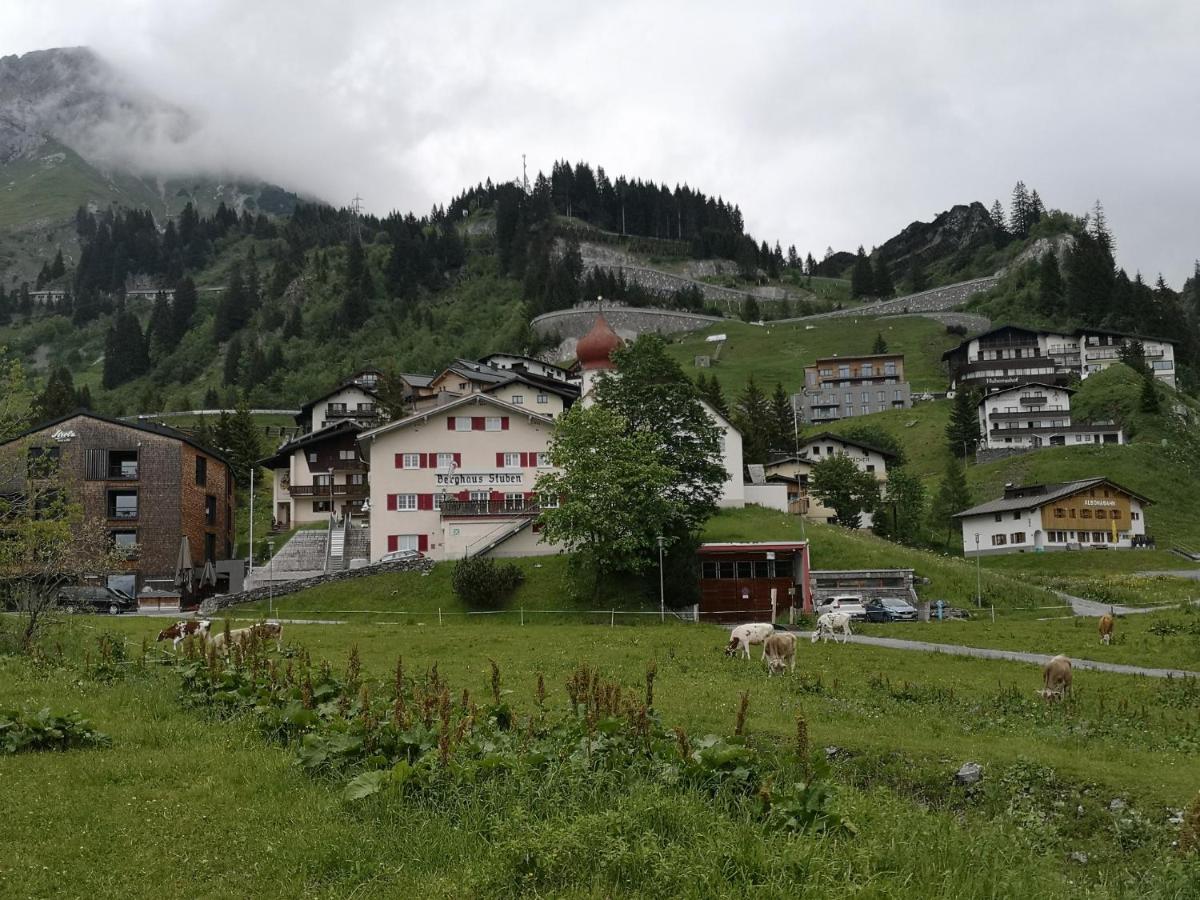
x,y
95,599
847,603
890,609
401,556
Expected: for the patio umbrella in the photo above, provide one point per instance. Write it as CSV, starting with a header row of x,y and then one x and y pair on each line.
x,y
183,568
209,575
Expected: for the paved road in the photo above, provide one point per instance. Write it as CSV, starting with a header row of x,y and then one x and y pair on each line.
x,y
1084,607
1014,655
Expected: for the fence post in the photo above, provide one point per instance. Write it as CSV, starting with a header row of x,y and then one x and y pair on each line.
x,y
993,613
522,615
612,618
439,615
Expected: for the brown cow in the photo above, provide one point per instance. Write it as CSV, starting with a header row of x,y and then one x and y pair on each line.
x,y
779,650
1057,678
182,629
1106,628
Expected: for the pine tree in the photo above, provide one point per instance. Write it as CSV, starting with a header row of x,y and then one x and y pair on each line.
x,y
233,361
782,420
752,415
962,431
58,268
1149,398
996,214
231,314
953,496
242,441
211,400
918,280
183,308
900,515
1050,285
862,279
356,282
1098,227
1020,215
293,325
880,345
711,393
809,264
881,279
58,397
83,398
793,258
750,310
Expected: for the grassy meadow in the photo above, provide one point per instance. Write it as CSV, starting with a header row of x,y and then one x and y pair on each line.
x,y
186,804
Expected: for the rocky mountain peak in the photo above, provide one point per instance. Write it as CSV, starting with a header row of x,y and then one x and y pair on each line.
x,y
962,229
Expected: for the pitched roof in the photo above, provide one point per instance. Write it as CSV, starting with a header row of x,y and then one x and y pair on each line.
x,y
150,427
562,388
1035,501
466,400
281,454
348,383
1026,386
853,442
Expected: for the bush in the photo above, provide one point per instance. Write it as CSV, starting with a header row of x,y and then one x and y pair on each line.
x,y
483,582
26,731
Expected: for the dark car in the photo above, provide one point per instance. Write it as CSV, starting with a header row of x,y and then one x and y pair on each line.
x,y
95,599
890,609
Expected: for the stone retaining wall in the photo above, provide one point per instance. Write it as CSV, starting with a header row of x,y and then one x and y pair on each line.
x,y
940,299
628,321
213,605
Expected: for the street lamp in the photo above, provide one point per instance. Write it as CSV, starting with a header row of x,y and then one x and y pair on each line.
x,y
271,580
978,591
662,602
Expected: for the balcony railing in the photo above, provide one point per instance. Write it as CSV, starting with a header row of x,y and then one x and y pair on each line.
x,y
522,507
1034,401
352,413
125,473
319,491
123,513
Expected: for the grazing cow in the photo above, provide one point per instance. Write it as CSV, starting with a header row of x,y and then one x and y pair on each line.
x,y
182,629
779,650
270,630
1057,678
238,635
1106,628
830,622
741,637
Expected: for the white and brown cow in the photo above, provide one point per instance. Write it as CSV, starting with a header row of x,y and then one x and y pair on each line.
x,y
830,622
1106,628
1056,677
779,650
183,629
741,637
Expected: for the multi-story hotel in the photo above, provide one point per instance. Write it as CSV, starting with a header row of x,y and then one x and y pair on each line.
x,y
838,387
352,400
153,487
1093,512
1038,415
318,475
1009,356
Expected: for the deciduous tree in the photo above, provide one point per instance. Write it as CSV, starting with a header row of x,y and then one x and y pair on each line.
x,y
845,488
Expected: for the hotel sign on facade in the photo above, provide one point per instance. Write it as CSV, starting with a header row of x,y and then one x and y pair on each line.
x,y
481,479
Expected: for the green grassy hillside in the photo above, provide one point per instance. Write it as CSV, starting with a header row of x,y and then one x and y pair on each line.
x,y
780,352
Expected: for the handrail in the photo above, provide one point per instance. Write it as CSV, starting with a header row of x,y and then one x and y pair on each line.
x,y
494,537
328,543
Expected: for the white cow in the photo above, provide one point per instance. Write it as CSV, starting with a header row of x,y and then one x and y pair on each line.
x,y
779,650
741,637
830,622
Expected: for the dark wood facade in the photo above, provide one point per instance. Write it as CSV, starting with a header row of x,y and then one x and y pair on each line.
x,y
736,580
150,486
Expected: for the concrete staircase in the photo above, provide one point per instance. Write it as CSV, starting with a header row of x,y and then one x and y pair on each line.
x,y
303,556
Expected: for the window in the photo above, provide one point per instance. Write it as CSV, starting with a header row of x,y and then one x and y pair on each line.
x,y
42,462
201,471
356,478
492,423
744,569
1100,514
1115,514
543,399
816,451
867,370
870,467
882,396
1135,516
999,517
312,456
829,450
999,540
406,502
514,501
518,399
1099,537
122,504
843,371
480,495
462,423
321,481
445,460
210,510
1016,515
889,368
849,398
783,568
548,501
543,459
1059,512
762,568
725,569
320,506
1072,513
210,547
403,542
1018,537
512,460
347,455
336,408
368,408
1085,514
412,460
122,464
708,569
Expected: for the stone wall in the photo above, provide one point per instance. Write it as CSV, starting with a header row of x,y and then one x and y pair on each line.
x,y
935,300
213,605
569,325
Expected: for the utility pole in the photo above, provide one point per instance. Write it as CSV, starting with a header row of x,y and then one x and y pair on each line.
x,y
524,175
978,582
252,520
355,212
662,602
271,580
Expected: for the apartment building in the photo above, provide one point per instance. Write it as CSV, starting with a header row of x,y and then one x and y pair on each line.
x,y
1092,512
317,475
1010,356
796,471
838,387
518,383
1038,415
150,485
352,400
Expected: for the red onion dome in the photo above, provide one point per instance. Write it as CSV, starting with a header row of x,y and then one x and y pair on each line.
x,y
594,350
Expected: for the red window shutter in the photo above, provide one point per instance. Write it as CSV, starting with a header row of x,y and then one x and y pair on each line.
x,y
497,495
424,501
423,460
449,423
391,502
393,542
399,460
529,495
504,423
422,542
478,423
464,495
524,460
458,460
499,460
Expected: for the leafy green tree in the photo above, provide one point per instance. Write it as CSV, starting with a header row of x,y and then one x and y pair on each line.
x,y
845,488
653,395
752,415
15,397
874,436
962,431
392,393
880,345
58,397
953,496
900,515
862,279
614,491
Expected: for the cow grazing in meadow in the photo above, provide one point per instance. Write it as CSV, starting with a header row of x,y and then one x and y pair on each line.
x,y
741,637
1057,678
267,630
830,622
1106,628
779,650
183,629
222,641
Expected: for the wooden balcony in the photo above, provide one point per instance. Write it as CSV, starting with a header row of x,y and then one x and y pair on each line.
x,y
324,491
451,508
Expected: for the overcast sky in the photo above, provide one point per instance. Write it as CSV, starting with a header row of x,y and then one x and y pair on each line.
x,y
829,124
